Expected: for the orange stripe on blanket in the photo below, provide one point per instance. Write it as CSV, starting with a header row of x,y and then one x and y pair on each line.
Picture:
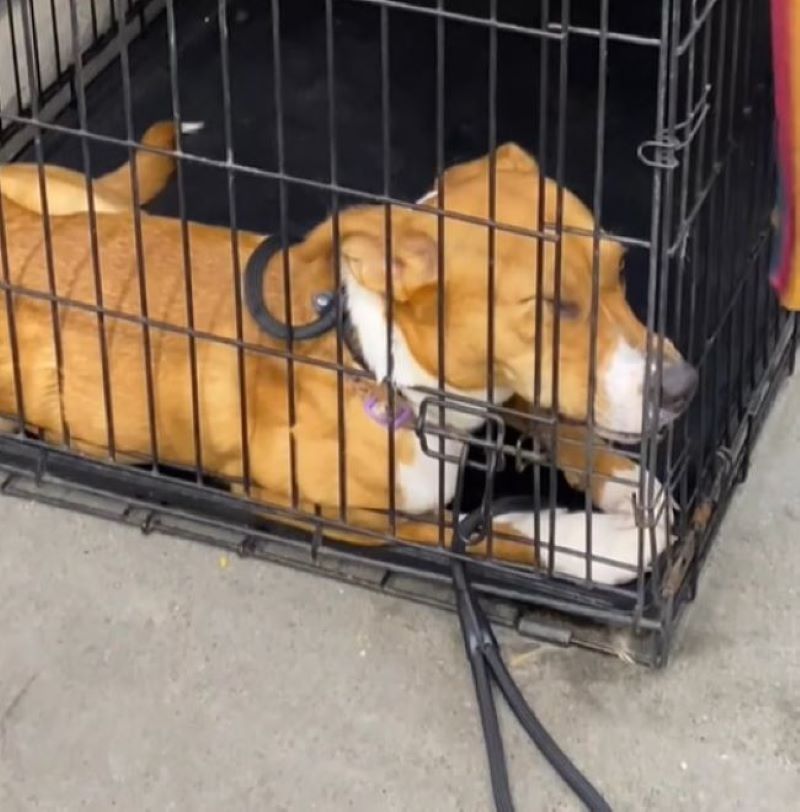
x,y
791,298
786,56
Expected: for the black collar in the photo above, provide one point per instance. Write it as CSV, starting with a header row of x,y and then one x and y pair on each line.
x,y
331,306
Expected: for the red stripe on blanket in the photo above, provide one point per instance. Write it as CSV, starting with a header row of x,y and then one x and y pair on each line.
x,y
782,70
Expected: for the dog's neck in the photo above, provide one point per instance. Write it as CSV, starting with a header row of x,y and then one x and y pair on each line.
x,y
367,316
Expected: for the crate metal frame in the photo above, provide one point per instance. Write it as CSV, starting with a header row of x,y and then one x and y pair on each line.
x,y
698,136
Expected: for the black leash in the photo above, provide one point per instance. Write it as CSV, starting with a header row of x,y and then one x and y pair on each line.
x,y
330,306
480,643
255,270
487,666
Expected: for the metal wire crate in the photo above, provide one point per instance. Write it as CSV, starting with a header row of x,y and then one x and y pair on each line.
x,y
659,116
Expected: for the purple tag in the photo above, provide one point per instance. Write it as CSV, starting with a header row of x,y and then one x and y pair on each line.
x,y
403,415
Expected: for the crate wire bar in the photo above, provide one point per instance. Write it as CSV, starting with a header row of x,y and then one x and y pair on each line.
x,y
660,119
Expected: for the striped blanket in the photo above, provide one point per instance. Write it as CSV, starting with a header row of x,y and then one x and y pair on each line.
x,y
785,271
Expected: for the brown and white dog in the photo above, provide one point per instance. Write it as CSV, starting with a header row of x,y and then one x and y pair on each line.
x,y
66,400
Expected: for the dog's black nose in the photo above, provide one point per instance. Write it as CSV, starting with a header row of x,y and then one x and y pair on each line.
x,y
678,384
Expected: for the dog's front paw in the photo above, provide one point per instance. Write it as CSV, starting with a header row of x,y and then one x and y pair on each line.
x,y
620,550
621,497
617,556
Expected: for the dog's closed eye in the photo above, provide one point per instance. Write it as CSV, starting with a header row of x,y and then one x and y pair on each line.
x,y
565,308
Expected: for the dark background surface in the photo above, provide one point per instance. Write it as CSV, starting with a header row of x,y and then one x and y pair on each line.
x,y
360,160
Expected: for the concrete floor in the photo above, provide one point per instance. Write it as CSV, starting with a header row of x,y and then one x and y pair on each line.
x,y
139,673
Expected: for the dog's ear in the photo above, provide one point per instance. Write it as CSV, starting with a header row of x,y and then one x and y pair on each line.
x,y
508,157
412,266
612,254
512,157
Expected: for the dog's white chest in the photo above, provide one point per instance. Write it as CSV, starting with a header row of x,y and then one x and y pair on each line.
x,y
418,481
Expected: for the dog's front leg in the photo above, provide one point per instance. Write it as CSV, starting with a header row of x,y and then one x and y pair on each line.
x,y
620,548
363,503
611,478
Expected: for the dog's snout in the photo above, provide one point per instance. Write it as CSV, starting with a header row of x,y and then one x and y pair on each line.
x,y
678,384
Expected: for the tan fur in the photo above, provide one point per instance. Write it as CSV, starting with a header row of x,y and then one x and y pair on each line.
x,y
66,190
74,395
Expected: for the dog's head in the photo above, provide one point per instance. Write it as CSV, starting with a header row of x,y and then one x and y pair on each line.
x,y
419,244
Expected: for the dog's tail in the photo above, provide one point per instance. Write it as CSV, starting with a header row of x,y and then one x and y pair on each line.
x,y
112,193
153,169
